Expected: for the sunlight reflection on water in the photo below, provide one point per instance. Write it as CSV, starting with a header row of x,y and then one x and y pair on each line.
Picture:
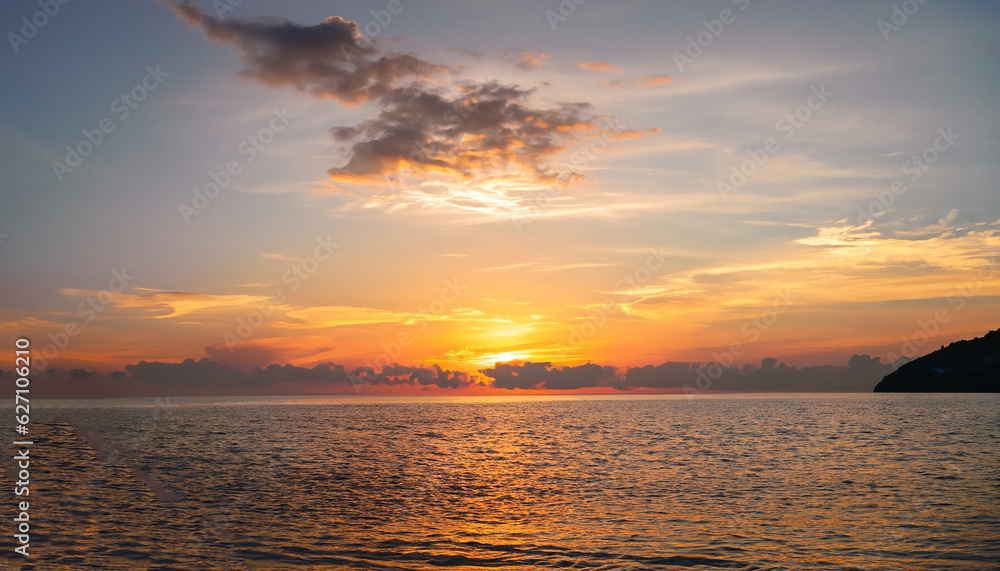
x,y
721,481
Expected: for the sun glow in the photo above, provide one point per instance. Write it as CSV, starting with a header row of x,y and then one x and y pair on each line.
x,y
491,359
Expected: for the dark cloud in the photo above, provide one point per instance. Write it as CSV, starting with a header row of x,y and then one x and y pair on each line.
x,y
862,373
483,129
207,377
426,377
544,376
488,128
328,59
665,375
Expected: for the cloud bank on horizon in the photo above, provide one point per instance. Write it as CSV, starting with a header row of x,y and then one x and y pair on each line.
x,y
207,377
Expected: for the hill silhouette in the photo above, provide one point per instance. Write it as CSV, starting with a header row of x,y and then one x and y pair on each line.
x,y
971,366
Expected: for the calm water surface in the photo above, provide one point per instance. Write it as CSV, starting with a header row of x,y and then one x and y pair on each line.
x,y
661,482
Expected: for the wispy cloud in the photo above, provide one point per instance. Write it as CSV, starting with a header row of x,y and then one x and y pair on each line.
x,y
510,267
576,266
601,66
320,317
524,59
164,304
646,82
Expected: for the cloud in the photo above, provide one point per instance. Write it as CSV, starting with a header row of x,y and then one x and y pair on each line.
x,y
943,228
340,315
510,267
10,322
210,377
645,82
487,131
524,59
576,266
625,135
862,373
943,246
282,257
435,375
466,146
328,60
871,262
543,375
163,304
601,66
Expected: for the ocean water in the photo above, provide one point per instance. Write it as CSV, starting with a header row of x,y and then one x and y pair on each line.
x,y
883,481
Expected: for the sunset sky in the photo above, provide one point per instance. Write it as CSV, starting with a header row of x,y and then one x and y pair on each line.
x,y
466,183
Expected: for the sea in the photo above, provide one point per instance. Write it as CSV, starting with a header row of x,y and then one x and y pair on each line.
x,y
611,482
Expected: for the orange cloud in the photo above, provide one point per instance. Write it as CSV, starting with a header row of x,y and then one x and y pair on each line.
x,y
529,60
645,82
624,135
164,304
601,66
341,315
